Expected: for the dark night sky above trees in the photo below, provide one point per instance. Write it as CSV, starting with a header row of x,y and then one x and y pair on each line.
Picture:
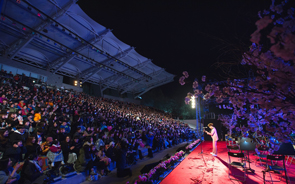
x,y
182,35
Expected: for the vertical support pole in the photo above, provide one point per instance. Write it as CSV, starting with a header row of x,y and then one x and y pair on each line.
x,y
197,114
101,91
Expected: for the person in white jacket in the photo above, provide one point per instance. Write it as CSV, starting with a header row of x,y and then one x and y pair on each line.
x,y
214,136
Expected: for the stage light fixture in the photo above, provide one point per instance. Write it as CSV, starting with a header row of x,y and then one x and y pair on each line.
x,y
193,100
45,30
24,28
75,83
39,14
29,8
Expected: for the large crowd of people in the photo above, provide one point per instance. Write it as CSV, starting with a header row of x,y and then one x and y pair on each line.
x,y
41,124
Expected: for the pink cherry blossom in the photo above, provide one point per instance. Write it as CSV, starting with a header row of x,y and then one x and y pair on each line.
x,y
195,84
267,101
181,80
185,73
203,78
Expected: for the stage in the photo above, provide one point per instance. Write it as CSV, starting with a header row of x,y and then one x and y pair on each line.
x,y
205,169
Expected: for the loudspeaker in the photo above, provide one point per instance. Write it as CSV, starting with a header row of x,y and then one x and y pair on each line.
x,y
216,124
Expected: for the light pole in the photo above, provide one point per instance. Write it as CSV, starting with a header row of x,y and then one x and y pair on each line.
x,y
195,104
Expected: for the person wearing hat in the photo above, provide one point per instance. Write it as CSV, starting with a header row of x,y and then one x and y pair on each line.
x,y
18,134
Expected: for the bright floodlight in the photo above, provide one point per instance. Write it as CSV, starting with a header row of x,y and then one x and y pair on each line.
x,y
193,100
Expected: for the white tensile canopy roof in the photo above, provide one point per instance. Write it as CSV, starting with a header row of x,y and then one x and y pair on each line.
x,y
57,36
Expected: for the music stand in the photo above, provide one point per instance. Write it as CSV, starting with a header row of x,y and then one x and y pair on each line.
x,y
285,149
246,144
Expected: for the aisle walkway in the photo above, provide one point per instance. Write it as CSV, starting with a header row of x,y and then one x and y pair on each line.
x,y
206,169
113,179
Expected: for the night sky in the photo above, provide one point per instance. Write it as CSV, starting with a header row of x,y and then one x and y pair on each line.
x,y
180,35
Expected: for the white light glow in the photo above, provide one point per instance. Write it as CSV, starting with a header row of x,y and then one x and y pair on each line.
x,y
193,100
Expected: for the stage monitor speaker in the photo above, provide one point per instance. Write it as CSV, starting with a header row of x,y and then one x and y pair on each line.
x,y
217,125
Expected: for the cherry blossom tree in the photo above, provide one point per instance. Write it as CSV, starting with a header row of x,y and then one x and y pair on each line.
x,y
266,101
229,121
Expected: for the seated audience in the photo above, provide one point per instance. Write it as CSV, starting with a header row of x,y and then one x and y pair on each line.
x,y
94,132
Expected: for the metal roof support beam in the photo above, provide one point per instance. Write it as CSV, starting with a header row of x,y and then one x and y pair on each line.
x,y
39,27
102,90
132,86
138,66
80,48
95,39
154,74
89,76
61,62
117,79
153,87
20,45
64,9
112,70
118,56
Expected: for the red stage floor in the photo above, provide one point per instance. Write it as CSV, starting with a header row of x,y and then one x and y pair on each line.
x,y
205,169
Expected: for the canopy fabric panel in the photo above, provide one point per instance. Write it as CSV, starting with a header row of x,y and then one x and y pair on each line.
x,y
57,35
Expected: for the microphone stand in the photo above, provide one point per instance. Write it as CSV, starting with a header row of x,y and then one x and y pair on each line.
x,y
202,141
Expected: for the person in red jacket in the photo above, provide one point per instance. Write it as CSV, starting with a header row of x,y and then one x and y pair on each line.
x,y
55,147
21,104
55,156
16,78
